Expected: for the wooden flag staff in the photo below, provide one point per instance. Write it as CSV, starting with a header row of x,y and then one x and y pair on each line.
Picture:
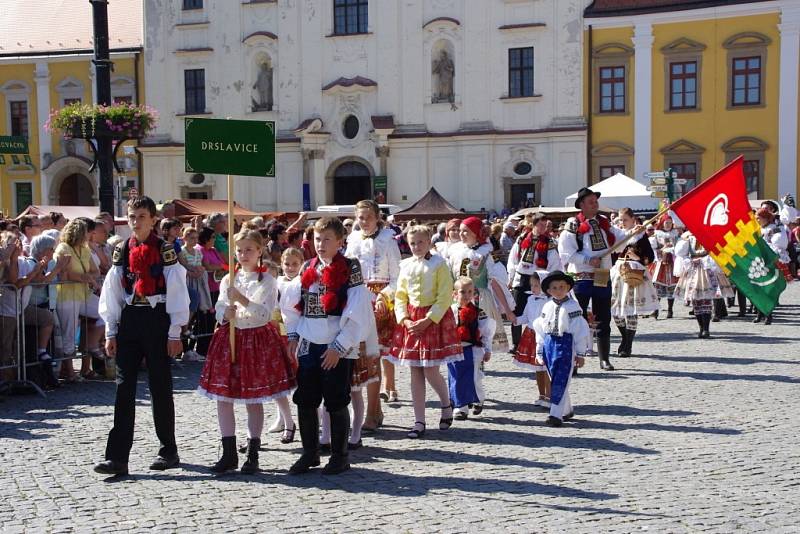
x,y
231,266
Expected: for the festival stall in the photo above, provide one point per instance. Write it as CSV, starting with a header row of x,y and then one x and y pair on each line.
x,y
432,207
620,191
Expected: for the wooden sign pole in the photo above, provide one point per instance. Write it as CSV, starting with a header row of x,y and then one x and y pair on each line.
x,y
231,263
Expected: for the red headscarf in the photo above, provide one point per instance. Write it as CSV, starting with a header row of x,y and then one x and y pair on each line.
x,y
475,226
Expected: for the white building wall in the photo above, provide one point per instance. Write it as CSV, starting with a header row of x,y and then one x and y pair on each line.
x,y
464,149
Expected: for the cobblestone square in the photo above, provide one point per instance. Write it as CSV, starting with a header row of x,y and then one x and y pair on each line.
x,y
692,435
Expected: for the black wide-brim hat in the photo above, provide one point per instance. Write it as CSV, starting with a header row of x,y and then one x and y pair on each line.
x,y
583,193
555,276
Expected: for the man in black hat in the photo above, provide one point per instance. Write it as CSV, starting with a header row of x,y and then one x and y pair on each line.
x,y
584,246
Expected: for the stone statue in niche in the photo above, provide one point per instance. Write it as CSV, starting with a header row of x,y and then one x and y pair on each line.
x,y
262,100
443,71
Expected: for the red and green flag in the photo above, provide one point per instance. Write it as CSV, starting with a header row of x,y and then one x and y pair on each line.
x,y
719,215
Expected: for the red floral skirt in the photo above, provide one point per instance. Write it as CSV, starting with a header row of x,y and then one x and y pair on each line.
x,y
263,369
784,269
437,345
526,351
366,369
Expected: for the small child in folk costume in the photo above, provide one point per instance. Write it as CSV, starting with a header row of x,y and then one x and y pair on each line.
x,y
776,239
144,303
534,252
374,246
696,285
475,331
425,337
473,258
336,311
291,261
666,237
261,368
197,284
525,357
632,297
563,339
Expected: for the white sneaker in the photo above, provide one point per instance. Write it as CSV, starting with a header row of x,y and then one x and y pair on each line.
x,y
542,403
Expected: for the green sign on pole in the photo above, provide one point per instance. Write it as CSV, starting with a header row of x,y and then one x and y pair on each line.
x,y
245,148
13,144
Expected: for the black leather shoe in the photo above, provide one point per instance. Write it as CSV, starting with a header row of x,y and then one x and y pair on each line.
x,y
162,464
768,320
304,464
553,421
569,416
325,448
355,446
110,467
336,465
606,365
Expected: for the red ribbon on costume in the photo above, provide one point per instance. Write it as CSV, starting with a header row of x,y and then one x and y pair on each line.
x,y
334,276
467,315
143,256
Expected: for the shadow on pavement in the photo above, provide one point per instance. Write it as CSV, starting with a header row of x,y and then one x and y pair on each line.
x,y
718,359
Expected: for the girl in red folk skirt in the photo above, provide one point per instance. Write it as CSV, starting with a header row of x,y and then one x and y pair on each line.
x,y
426,336
261,368
525,357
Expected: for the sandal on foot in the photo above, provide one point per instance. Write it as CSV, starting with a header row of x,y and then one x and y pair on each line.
x,y
415,432
384,396
288,435
392,396
446,422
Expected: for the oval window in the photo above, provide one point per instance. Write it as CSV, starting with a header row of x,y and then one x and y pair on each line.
x,y
350,127
522,168
197,179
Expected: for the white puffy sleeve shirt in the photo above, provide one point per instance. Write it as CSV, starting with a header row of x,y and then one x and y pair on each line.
x,y
566,318
594,245
288,298
262,296
344,332
379,256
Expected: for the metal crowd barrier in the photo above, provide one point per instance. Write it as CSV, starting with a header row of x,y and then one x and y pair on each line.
x,y
12,340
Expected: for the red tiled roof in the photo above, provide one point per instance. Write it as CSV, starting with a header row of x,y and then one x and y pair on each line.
x,y
66,25
609,8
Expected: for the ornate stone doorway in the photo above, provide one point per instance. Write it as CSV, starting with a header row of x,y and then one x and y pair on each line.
x,y
352,181
76,190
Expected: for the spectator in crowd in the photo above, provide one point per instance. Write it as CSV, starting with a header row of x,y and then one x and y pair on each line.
x,y
78,298
10,248
30,227
218,222
167,210
46,222
441,234
307,245
107,219
191,257
216,266
59,221
507,239
348,225
40,311
294,238
170,232
277,242
98,244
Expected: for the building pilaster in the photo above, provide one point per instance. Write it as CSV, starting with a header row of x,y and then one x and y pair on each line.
x,y
642,99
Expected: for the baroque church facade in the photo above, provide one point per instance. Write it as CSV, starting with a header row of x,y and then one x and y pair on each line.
x,y
481,99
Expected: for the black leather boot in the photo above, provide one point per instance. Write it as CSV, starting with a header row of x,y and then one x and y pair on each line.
x,y
622,350
230,458
768,320
629,346
250,466
308,420
706,325
699,319
603,350
759,317
340,428
670,303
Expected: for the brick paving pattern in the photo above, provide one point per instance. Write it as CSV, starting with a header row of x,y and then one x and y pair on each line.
x,y
691,435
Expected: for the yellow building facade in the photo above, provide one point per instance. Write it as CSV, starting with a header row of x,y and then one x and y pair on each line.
x,y
48,67
692,89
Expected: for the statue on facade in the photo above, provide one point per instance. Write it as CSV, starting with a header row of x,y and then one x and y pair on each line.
x,y
444,71
263,89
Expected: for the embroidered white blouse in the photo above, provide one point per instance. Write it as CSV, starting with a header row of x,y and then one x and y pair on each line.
x,y
379,256
263,297
594,244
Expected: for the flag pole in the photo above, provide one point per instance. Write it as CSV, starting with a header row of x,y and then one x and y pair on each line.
x,y
231,270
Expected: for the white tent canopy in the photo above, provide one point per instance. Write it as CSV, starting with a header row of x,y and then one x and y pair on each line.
x,y
620,191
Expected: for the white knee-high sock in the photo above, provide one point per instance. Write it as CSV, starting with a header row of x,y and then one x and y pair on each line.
x,y
325,426
255,420
357,401
227,421
285,412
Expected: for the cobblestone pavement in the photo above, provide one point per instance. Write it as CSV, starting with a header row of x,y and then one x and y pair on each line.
x,y
691,435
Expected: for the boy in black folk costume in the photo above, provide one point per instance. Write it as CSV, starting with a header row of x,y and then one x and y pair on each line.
x,y
335,310
144,303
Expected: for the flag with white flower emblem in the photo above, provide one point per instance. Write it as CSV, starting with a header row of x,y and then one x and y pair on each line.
x,y
719,215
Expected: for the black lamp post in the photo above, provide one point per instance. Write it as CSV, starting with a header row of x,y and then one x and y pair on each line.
x,y
103,66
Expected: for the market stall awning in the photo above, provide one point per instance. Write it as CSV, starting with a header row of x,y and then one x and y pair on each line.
x,y
431,207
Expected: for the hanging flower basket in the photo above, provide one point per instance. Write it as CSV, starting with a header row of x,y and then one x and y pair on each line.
x,y
117,121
